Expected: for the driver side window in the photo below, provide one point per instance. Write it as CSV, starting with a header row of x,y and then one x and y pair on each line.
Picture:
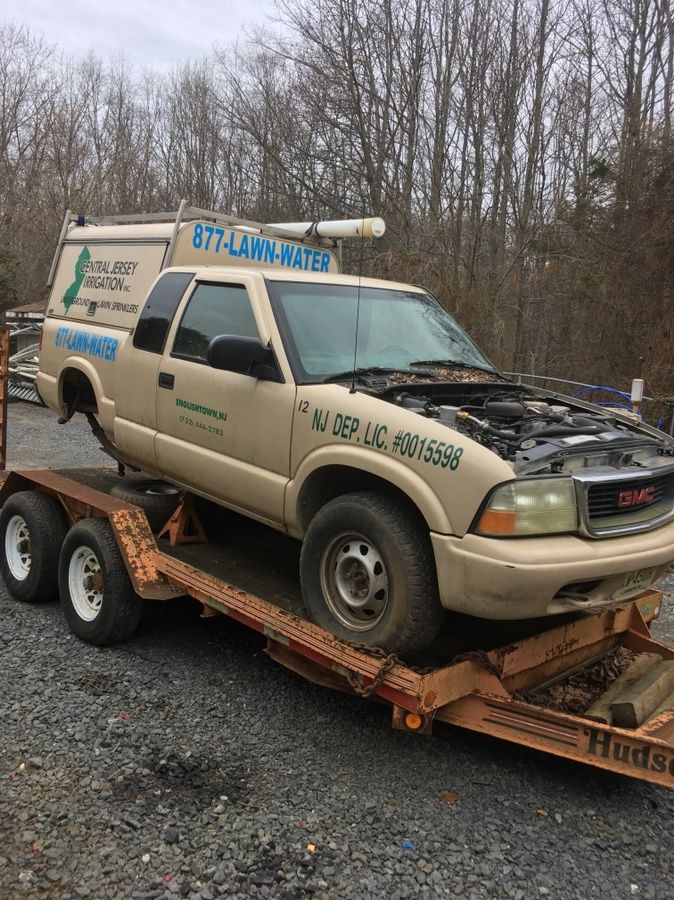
x,y
212,310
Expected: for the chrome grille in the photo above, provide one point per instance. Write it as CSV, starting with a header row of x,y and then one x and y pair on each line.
x,y
604,498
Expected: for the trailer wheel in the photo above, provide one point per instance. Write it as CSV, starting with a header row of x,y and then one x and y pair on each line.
x,y
97,597
32,529
156,498
368,574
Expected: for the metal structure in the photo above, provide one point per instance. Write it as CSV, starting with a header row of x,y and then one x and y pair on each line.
x,y
22,368
481,690
321,234
625,402
4,366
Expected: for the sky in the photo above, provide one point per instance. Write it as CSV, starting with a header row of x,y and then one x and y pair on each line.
x,y
153,34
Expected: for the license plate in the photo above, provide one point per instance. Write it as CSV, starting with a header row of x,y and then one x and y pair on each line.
x,y
635,582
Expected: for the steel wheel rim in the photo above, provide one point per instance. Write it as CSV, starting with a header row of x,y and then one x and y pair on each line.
x,y
355,581
85,582
18,548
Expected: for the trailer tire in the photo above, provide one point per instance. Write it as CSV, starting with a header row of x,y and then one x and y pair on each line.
x,y
368,573
97,597
32,530
155,497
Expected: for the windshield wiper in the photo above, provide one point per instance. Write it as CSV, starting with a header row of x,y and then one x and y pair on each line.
x,y
370,370
452,362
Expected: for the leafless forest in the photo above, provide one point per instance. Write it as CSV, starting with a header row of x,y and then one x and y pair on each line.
x,y
521,152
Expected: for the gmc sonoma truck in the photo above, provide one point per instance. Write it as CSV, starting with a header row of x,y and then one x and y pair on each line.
x,y
232,360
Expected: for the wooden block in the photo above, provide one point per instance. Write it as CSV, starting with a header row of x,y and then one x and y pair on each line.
x,y
665,706
637,703
600,711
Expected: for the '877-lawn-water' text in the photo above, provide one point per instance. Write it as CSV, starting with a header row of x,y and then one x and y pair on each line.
x,y
260,249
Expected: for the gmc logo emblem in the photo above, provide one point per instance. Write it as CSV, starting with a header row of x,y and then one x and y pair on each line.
x,y
635,497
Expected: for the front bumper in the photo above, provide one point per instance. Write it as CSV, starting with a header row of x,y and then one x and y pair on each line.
x,y
524,578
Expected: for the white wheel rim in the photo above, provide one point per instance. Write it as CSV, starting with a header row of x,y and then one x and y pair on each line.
x,y
18,548
85,581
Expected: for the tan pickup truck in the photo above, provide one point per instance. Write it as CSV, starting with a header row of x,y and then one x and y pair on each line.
x,y
234,361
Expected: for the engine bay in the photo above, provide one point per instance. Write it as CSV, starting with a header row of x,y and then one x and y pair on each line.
x,y
537,432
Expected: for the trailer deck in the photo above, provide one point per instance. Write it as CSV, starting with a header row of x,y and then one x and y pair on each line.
x,y
478,682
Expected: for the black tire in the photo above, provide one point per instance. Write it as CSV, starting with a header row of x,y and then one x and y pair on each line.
x,y
156,498
32,529
374,552
105,610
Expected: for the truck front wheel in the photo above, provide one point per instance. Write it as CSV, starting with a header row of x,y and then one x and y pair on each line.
x,y
97,597
368,573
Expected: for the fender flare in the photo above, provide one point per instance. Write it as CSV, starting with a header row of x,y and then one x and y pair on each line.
x,y
386,467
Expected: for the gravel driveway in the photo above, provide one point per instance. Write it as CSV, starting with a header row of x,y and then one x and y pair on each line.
x,y
188,764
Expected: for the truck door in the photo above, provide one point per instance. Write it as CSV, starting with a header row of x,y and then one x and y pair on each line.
x,y
138,361
224,434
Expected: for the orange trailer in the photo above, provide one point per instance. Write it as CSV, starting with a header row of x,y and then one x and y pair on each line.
x,y
481,689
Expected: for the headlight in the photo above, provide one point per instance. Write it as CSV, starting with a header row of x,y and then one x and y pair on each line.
x,y
530,506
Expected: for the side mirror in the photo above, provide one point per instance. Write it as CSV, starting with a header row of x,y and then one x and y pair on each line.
x,y
245,355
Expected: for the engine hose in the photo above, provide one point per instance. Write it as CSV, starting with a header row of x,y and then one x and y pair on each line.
x,y
510,437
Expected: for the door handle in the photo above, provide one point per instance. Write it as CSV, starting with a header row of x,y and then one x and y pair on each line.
x,y
166,380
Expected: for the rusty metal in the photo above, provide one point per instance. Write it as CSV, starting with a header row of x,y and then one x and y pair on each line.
x,y
542,657
132,532
184,525
4,374
475,691
662,724
306,668
139,550
401,684
639,753
365,690
451,682
207,612
481,658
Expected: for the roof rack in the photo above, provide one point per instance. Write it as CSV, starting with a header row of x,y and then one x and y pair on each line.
x,y
320,234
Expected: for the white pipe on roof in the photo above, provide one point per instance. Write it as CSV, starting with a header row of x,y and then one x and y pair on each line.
x,y
373,227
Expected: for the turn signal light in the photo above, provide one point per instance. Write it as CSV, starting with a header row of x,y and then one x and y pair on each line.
x,y
497,521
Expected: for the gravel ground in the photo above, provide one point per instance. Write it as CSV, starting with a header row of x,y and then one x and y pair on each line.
x,y
187,764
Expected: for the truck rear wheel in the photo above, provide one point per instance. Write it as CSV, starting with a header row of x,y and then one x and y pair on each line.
x,y
97,597
32,529
368,574
156,498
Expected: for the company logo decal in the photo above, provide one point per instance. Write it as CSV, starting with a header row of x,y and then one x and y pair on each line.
x,y
80,341
635,755
114,276
80,272
635,497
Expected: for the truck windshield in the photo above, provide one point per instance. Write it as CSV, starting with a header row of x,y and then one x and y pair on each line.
x,y
396,329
